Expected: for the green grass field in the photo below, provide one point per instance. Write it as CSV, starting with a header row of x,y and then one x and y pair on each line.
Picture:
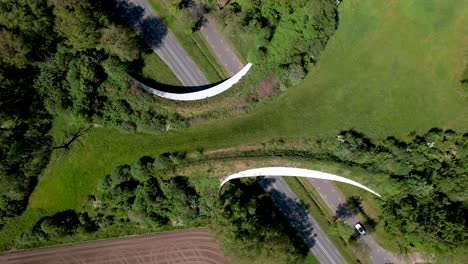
x,y
390,69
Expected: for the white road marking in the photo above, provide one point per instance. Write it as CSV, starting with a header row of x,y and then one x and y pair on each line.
x,y
180,63
324,251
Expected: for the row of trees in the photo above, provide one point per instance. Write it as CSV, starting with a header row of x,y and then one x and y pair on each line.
x,y
424,204
288,35
60,58
144,194
427,202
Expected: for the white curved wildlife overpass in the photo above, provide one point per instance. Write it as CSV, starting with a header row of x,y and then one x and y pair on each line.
x,y
193,96
289,171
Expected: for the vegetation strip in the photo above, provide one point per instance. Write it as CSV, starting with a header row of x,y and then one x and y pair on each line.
x,y
64,67
296,172
203,94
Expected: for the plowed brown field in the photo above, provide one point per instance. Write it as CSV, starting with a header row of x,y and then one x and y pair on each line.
x,y
185,246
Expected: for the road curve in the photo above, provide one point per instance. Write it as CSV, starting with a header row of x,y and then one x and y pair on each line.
x,y
289,171
203,94
299,217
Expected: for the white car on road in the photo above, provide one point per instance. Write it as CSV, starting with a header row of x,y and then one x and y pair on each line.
x,y
360,228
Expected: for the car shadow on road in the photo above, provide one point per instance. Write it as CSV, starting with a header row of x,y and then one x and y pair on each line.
x,y
293,210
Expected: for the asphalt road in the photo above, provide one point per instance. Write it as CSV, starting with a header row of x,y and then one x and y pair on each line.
x,y
161,41
221,49
306,226
332,198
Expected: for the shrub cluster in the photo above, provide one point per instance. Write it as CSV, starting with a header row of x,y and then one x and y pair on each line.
x,y
62,58
144,195
430,172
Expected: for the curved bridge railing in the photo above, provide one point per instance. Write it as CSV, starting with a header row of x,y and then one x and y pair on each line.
x,y
199,95
289,171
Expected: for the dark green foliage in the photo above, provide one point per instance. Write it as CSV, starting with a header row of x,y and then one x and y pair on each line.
x,y
60,224
117,72
140,195
142,192
288,35
24,148
431,173
13,49
82,77
57,227
51,83
121,42
54,64
32,23
79,24
142,169
254,221
32,18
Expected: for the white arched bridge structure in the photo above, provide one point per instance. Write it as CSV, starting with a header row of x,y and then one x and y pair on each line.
x,y
199,95
297,172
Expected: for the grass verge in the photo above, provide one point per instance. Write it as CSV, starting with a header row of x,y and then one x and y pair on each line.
x,y
372,77
325,221
155,69
371,208
192,42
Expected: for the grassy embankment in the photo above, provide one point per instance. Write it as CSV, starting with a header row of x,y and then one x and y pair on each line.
x,y
192,42
373,77
155,69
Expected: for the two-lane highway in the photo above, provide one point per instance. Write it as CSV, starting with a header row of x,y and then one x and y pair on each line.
x,y
306,226
161,41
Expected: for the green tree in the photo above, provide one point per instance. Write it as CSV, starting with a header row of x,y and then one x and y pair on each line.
x,y
60,224
51,83
13,50
117,72
32,18
142,169
121,42
180,203
82,77
79,25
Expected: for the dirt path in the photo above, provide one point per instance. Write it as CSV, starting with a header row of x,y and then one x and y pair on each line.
x,y
185,246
